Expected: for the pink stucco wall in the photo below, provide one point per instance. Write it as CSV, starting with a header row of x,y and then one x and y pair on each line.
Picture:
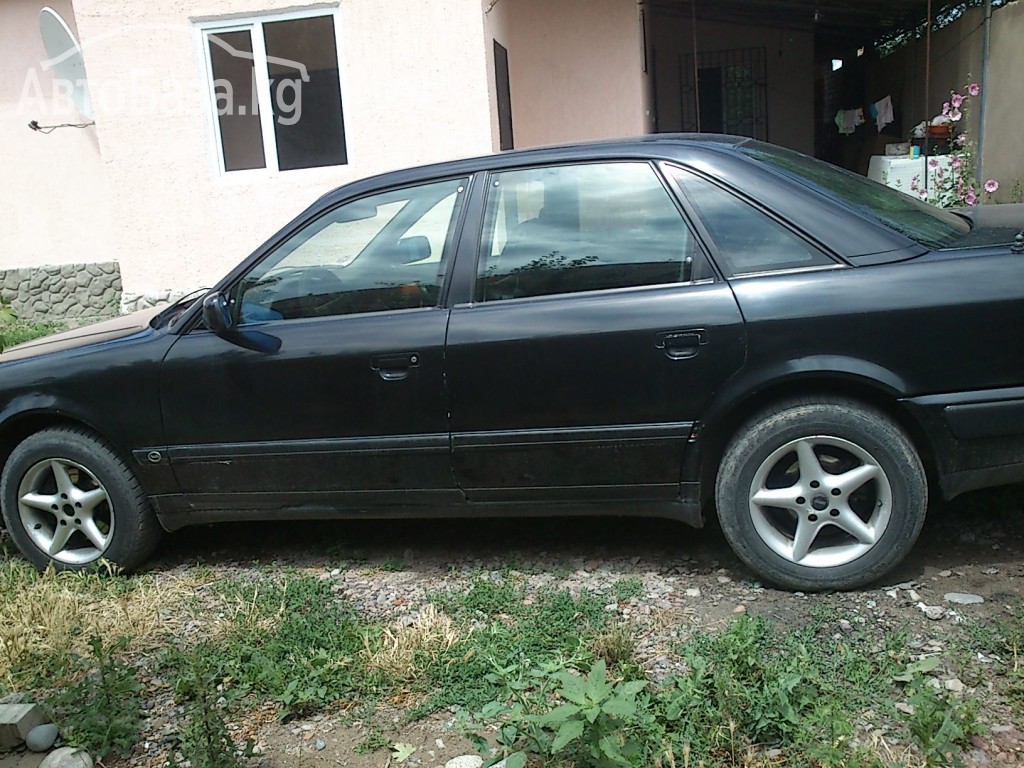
x,y
575,68
143,187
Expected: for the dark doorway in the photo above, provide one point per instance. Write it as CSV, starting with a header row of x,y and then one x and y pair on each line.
x,y
712,116
504,96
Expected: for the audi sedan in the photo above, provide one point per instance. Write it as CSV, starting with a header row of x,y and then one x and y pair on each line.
x,y
675,326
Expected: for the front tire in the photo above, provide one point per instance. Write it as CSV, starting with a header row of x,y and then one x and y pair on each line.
x,y
821,494
70,501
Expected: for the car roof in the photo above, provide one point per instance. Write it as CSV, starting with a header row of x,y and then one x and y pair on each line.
x,y
667,144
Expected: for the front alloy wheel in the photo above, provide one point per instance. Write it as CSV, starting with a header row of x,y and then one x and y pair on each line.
x,y
65,511
821,494
70,501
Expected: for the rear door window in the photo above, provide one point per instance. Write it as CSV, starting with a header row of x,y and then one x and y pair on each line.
x,y
573,228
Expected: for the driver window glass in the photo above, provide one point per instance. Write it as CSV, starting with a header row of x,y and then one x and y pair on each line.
x,y
379,253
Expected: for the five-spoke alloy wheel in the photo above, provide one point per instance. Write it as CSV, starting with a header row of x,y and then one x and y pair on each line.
x,y
70,501
821,494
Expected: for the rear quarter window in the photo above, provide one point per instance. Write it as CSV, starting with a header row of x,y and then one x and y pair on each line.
x,y
747,240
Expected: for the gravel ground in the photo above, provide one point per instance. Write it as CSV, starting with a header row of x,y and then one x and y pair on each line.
x,y
691,581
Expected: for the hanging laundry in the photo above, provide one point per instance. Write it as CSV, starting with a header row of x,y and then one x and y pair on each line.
x,y
845,128
882,111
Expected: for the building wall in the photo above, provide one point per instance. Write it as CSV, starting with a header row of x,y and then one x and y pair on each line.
x,y
957,60
1004,159
143,186
55,202
495,27
575,69
789,59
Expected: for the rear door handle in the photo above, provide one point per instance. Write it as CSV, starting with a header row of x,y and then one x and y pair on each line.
x,y
395,367
680,345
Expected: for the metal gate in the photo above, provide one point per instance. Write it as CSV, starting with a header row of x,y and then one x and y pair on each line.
x,y
732,93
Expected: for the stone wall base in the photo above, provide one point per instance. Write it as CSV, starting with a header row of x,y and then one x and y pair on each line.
x,y
73,293
133,302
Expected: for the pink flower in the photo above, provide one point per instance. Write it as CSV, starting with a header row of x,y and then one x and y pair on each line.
x,y
971,197
945,108
961,139
924,194
957,101
933,163
955,114
991,186
955,162
974,89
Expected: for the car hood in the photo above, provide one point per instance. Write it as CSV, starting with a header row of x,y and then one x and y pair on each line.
x,y
107,330
992,224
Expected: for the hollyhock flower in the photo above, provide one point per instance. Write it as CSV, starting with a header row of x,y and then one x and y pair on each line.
x,y
957,101
933,163
961,139
955,114
946,108
955,162
974,89
923,193
991,186
972,197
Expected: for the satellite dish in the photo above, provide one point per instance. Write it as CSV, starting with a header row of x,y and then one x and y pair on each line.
x,y
65,58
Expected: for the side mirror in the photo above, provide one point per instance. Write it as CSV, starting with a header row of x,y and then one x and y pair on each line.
x,y
217,316
217,313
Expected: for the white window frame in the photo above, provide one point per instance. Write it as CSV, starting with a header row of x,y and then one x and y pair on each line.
x,y
205,27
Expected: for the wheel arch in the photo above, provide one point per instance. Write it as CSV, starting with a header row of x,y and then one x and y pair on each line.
x,y
729,413
15,427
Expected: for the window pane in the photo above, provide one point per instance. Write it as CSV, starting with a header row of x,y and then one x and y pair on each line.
x,y
581,228
383,252
747,239
928,225
234,90
309,127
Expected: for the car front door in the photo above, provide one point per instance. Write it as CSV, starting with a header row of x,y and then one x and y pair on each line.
x,y
350,411
595,334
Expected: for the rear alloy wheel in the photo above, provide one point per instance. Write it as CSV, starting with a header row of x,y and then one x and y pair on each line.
x,y
70,501
821,495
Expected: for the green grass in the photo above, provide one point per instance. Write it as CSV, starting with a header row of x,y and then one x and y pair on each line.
x,y
14,332
628,588
500,653
291,641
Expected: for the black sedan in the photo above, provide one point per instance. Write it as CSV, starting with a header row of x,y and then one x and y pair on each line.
x,y
664,326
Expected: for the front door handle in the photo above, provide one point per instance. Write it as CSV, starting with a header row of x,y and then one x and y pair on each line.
x,y
680,345
395,367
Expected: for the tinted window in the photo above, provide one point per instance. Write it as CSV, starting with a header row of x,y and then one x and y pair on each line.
x,y
747,239
379,253
580,228
926,224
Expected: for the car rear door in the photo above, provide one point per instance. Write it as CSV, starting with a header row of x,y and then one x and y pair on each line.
x,y
591,334
350,412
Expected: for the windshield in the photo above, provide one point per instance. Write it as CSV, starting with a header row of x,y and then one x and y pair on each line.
x,y
921,222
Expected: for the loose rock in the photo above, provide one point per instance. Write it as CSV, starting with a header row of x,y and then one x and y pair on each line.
x,y
963,598
42,737
465,761
67,757
954,685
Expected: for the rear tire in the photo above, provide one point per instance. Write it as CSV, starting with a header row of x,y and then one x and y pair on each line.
x,y
71,502
821,494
